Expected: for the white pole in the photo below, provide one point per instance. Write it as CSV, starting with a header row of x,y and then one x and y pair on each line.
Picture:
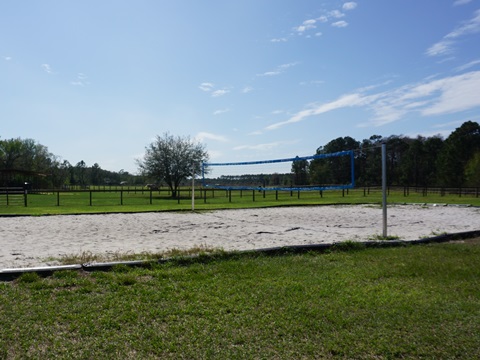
x,y
193,187
384,188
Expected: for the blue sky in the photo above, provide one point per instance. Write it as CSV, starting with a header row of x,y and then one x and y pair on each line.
x,y
252,79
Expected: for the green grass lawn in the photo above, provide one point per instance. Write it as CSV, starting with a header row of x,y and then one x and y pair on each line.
x,y
406,302
141,201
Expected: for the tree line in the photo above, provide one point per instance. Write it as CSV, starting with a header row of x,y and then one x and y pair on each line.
x,y
421,161
25,161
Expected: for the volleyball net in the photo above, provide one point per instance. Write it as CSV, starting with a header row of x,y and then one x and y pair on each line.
x,y
330,171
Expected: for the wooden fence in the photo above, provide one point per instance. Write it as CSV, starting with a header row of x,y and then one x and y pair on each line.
x,y
117,195
13,196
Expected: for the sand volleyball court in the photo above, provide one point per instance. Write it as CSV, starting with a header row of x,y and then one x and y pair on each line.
x,y
30,241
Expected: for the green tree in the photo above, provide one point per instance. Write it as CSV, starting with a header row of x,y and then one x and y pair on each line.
x,y
81,170
419,165
11,151
300,171
459,148
334,170
25,160
368,163
95,174
397,147
59,172
472,170
172,159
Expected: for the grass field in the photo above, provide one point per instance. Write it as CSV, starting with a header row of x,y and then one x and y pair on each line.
x,y
97,201
407,302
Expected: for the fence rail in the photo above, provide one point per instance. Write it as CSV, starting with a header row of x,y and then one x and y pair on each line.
x,y
144,196
12,196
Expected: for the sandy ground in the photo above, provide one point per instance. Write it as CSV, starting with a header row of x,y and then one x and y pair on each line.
x,y
39,241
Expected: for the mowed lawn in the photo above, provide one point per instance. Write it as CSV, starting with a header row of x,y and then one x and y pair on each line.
x,y
97,201
406,302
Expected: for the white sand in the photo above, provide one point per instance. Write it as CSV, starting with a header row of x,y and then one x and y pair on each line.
x,y
38,241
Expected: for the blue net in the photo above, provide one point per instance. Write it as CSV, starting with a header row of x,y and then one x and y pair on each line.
x,y
330,171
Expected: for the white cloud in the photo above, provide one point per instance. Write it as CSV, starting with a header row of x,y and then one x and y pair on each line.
x,y
431,97
468,65
461,2
247,89
209,87
206,86
344,101
336,14
47,68
279,70
441,48
277,40
7,58
340,24
312,82
80,81
221,92
270,73
445,45
286,66
306,25
323,19
303,28
457,93
220,111
202,136
349,5
469,27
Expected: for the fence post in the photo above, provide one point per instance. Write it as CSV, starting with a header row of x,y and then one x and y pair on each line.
x,y
90,197
25,197
276,194
121,196
253,195
230,196
58,198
